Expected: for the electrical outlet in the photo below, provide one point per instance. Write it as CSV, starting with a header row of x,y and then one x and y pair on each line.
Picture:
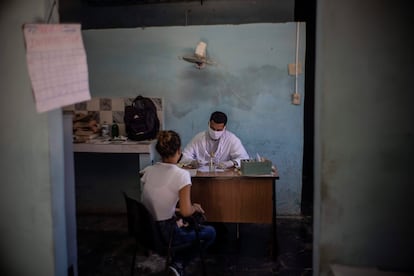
x,y
296,98
292,69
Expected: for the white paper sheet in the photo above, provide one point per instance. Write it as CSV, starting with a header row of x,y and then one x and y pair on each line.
x,y
207,169
57,65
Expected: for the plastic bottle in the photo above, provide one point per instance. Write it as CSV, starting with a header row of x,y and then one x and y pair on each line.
x,y
114,130
211,163
105,129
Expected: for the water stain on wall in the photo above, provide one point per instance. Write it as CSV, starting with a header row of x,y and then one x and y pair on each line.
x,y
226,88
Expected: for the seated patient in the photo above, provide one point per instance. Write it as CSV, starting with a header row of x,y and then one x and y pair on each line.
x,y
165,185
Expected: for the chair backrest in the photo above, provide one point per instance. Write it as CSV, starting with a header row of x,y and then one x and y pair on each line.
x,y
141,224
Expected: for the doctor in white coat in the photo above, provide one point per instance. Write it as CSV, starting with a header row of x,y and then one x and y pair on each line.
x,y
217,143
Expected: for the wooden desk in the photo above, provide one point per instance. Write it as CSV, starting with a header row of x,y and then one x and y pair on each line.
x,y
231,197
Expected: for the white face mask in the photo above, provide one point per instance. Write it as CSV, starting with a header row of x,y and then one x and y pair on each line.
x,y
215,135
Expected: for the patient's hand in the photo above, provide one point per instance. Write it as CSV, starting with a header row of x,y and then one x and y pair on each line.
x,y
195,164
181,223
192,165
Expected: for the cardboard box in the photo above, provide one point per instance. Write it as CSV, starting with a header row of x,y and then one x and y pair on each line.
x,y
249,166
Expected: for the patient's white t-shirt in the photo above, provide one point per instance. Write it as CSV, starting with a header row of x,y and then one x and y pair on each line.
x,y
161,184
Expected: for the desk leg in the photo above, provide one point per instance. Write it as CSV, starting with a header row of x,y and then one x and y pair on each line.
x,y
275,241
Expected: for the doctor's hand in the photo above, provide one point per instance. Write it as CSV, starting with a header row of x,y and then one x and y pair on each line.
x,y
225,164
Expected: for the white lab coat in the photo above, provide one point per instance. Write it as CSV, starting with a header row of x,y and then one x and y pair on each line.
x,y
229,148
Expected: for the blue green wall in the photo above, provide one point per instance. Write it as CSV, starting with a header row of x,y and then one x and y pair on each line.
x,y
250,83
32,168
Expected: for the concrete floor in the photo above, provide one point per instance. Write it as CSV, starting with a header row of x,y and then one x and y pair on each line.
x,y
104,248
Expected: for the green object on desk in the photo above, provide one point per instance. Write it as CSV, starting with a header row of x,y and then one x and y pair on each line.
x,y
253,167
114,130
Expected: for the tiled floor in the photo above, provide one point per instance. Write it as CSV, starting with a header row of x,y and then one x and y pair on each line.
x,y
104,248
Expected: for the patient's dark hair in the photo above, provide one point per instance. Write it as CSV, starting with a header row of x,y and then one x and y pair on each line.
x,y
218,117
168,142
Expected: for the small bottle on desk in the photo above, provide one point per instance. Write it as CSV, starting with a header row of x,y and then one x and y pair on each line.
x,y
211,163
105,129
114,130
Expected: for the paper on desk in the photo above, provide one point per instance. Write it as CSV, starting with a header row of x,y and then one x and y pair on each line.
x,y
57,65
207,169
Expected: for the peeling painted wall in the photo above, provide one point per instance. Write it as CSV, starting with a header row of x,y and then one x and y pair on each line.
x,y
250,83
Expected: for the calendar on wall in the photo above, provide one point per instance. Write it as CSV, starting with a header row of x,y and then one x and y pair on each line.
x,y
57,65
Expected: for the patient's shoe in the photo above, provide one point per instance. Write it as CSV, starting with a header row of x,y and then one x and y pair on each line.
x,y
173,271
176,269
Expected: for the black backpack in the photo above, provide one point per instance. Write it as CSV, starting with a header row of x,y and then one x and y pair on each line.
x,y
141,120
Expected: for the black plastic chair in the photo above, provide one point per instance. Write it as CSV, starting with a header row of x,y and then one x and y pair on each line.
x,y
142,226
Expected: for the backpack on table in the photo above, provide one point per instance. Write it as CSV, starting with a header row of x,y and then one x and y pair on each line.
x,y
141,119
